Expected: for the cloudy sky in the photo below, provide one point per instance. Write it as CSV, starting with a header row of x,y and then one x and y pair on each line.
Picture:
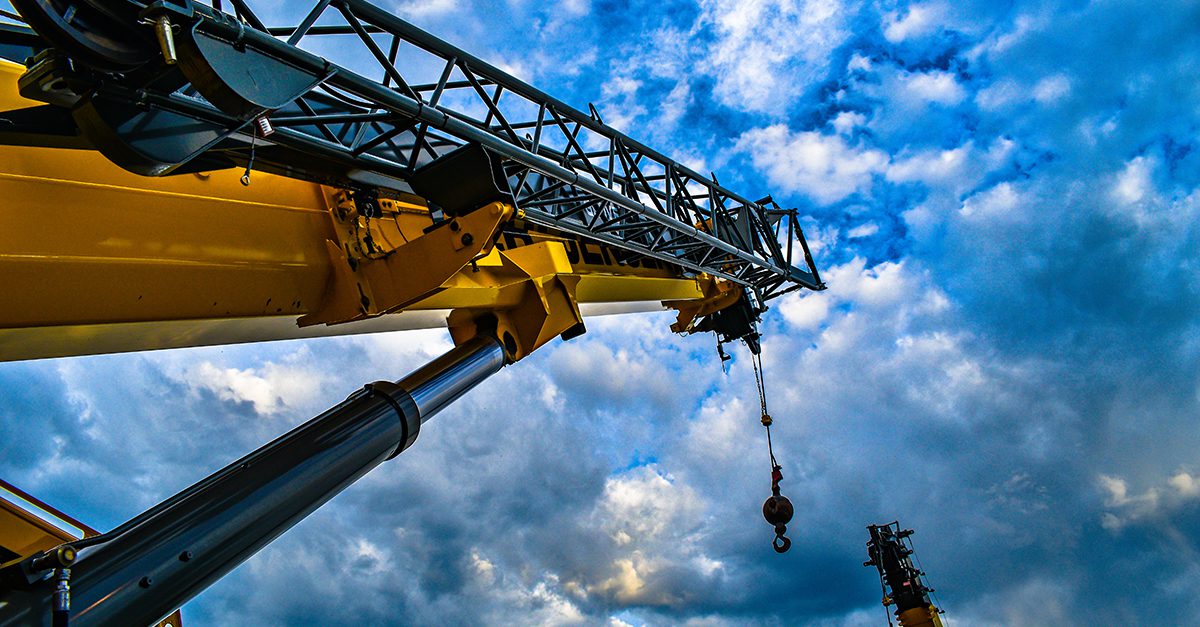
x,y
1003,198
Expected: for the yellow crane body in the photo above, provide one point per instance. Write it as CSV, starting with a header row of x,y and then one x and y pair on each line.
x,y
95,259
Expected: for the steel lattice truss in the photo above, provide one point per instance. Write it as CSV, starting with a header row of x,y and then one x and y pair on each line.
x,y
565,169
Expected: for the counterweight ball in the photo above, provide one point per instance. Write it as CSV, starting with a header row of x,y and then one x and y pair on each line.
x,y
778,510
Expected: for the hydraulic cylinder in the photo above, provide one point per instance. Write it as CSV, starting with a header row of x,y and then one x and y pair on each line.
x,y
147,567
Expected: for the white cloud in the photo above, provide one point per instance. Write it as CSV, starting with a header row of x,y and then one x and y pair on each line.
x,y
645,505
823,167
768,51
484,569
881,287
1155,503
936,87
930,165
998,201
884,284
672,108
1096,127
859,62
999,153
846,121
1135,194
718,431
626,585
805,311
426,8
397,353
651,518
1007,91
1040,600
1019,493
620,85
904,100
368,557
864,230
613,371
948,174
577,8
1052,89
517,67
1133,182
540,599
271,388
1185,485
1006,38
999,94
623,107
919,20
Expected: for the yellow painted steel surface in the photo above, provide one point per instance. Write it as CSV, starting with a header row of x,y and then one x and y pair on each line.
x,y
94,259
920,617
82,242
27,525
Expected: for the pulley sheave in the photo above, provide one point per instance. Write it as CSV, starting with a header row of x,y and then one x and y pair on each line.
x,y
102,35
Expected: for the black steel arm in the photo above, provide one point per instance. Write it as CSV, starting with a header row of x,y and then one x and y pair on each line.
x,y
889,549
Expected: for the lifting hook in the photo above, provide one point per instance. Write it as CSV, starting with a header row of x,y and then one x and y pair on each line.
x,y
781,544
777,510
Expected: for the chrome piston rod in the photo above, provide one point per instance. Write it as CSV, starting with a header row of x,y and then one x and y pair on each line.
x,y
151,565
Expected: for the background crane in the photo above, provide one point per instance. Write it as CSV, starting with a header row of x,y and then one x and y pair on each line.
x,y
890,551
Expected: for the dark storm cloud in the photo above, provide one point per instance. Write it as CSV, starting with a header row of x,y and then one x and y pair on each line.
x,y
32,393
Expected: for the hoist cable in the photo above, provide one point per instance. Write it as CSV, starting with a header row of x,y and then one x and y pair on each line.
x,y
770,450
777,510
250,163
886,610
931,590
759,381
756,360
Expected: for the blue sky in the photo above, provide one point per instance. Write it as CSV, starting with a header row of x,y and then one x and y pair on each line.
x,y
1003,198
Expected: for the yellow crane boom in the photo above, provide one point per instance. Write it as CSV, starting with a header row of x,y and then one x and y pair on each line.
x,y
96,259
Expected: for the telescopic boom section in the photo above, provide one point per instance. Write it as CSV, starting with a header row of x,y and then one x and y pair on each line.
x,y
176,86
889,553
141,571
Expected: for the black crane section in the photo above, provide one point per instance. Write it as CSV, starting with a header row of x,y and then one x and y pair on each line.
x,y
890,549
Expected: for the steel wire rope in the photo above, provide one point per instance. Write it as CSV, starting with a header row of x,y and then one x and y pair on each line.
x,y
932,590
